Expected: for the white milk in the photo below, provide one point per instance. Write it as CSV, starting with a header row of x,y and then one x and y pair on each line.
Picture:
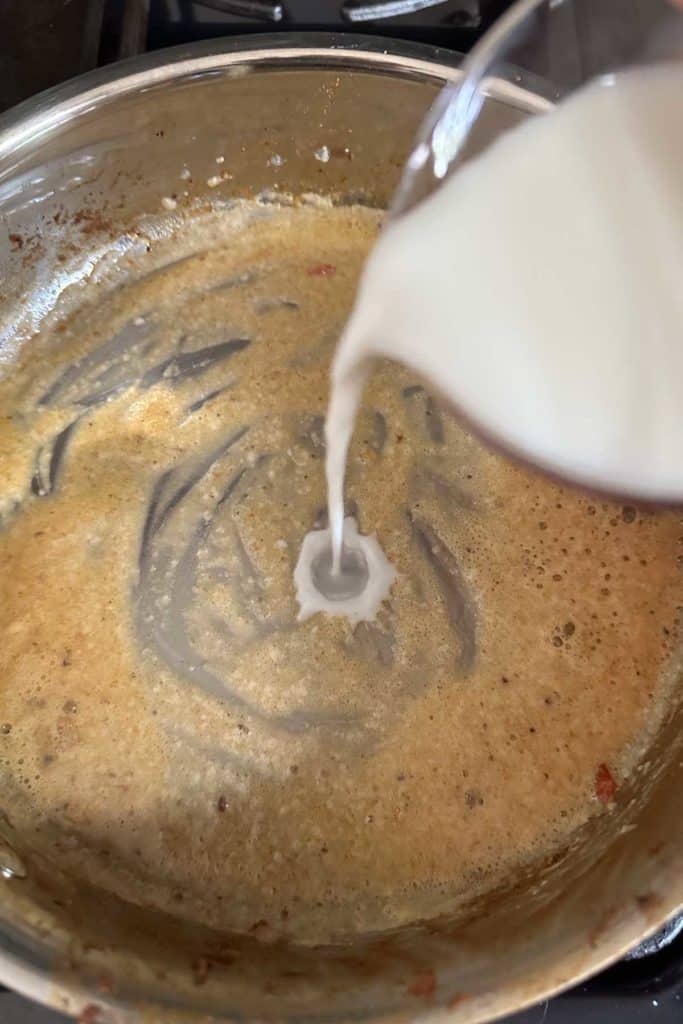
x,y
359,594
540,289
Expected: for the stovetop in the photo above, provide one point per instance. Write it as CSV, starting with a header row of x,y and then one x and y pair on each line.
x,y
48,41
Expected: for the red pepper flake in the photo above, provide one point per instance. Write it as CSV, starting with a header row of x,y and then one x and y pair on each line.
x,y
423,984
105,983
201,968
605,786
647,901
457,1000
322,270
90,1014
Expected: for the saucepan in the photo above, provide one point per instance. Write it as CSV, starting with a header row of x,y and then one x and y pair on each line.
x,y
80,166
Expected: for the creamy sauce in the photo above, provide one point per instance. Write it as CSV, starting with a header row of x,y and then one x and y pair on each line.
x,y
171,731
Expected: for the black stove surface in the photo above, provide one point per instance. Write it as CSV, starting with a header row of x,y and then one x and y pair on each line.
x,y
48,41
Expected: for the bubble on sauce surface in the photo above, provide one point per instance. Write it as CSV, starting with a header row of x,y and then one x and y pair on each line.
x,y
11,864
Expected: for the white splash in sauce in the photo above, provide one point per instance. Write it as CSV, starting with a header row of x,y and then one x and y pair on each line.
x,y
356,590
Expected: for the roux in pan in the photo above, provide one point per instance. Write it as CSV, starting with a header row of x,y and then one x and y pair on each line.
x,y
169,730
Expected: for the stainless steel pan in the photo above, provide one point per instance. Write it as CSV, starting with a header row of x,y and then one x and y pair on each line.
x,y
102,150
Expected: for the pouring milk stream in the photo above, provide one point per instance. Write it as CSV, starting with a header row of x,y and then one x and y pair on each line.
x,y
540,291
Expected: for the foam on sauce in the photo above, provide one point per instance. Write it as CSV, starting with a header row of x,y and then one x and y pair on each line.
x,y
171,731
